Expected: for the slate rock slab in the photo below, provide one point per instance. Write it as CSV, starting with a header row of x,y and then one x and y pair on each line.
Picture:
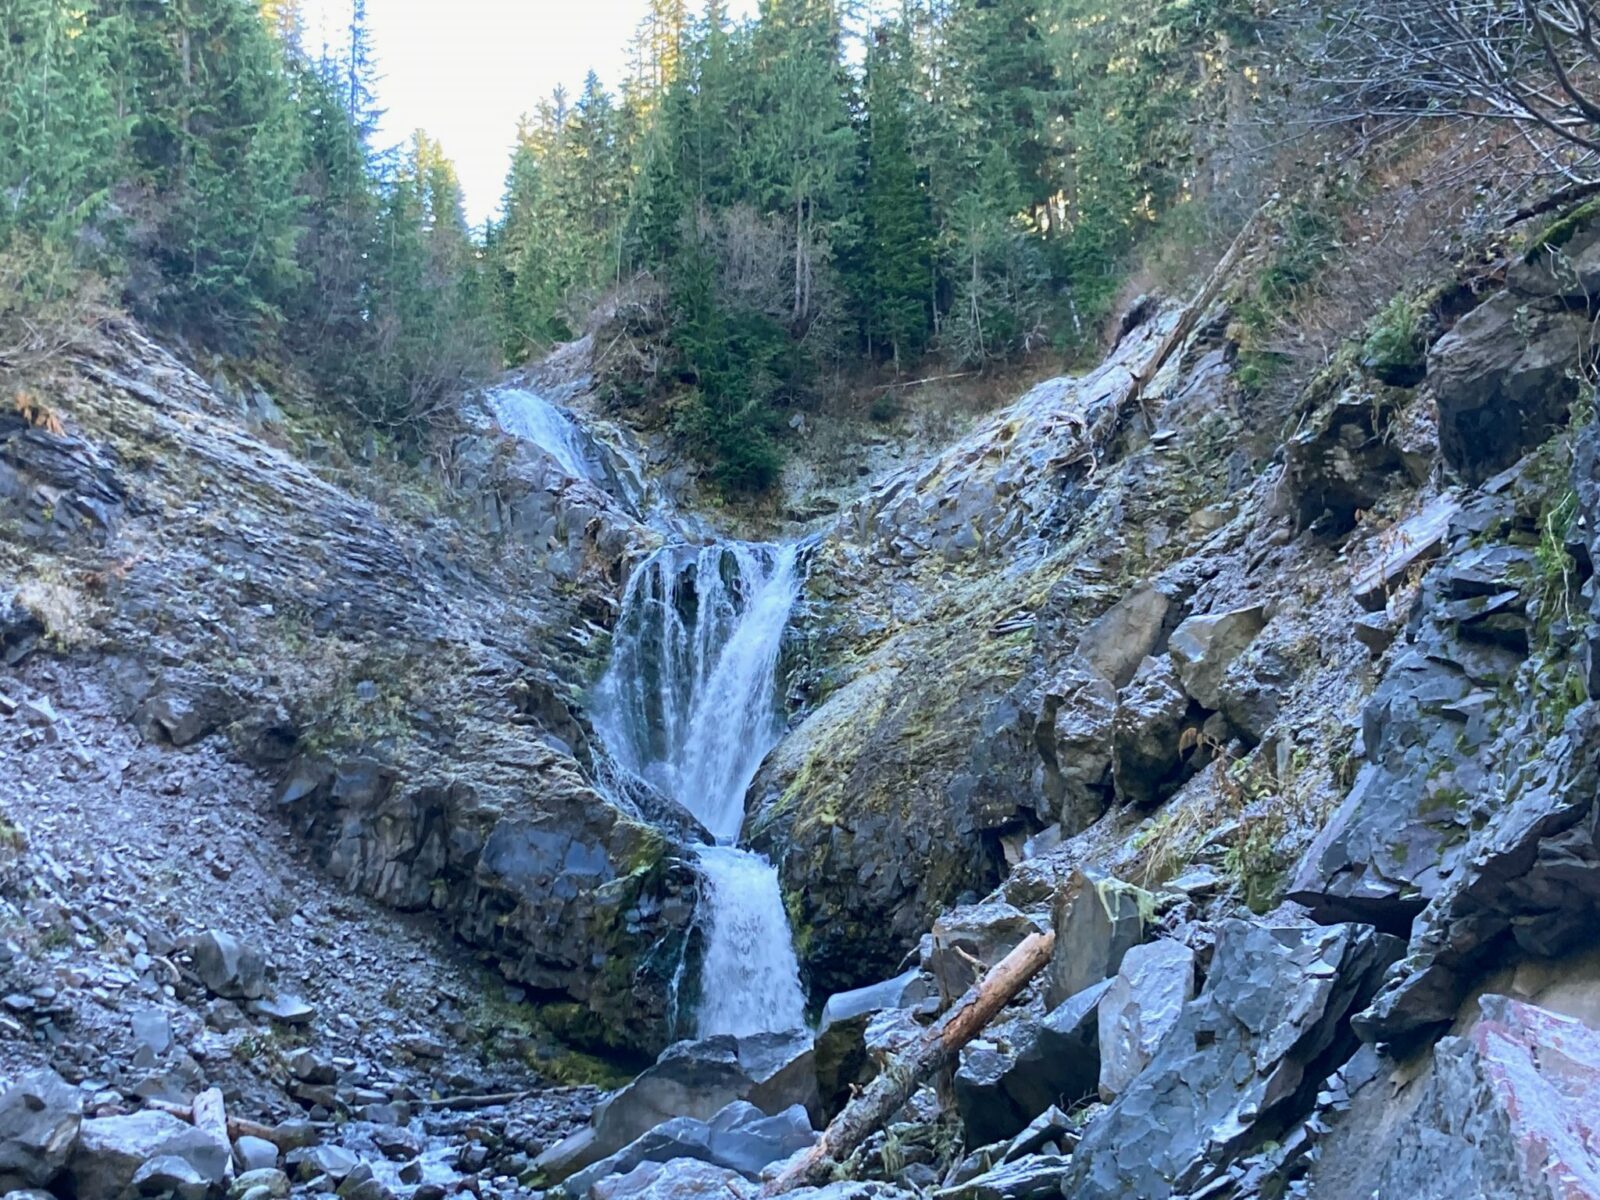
x,y
1240,1065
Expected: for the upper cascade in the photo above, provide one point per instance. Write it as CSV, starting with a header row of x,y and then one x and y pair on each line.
x,y
528,415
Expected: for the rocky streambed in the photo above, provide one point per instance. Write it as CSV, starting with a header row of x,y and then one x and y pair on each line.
x,y
1290,743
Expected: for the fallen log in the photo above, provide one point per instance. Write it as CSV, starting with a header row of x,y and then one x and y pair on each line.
x,y
210,1114
484,1100
935,1049
235,1127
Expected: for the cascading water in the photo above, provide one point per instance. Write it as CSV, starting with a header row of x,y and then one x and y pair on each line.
x,y
688,704
529,416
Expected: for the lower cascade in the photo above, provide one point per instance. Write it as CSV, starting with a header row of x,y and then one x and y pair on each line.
x,y
688,704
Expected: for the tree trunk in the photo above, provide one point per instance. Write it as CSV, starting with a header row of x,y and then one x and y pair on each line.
x,y
937,1048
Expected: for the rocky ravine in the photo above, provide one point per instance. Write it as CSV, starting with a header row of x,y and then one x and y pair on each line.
x,y
1296,755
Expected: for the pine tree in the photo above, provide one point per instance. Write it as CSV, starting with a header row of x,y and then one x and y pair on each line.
x,y
898,220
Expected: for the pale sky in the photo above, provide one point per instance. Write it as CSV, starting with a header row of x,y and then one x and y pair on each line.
x,y
464,70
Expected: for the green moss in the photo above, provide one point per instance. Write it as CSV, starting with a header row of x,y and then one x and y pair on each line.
x,y
1563,229
1394,342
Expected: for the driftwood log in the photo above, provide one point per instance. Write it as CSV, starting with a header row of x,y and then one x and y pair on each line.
x,y
935,1049
211,1117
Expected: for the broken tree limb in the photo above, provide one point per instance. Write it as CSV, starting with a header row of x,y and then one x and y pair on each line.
x,y
935,1049
210,1115
237,1127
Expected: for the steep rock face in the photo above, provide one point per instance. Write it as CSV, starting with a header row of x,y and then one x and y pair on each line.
x,y
937,609
417,683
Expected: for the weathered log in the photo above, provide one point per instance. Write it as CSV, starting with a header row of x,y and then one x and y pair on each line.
x,y
235,1127
935,1049
210,1114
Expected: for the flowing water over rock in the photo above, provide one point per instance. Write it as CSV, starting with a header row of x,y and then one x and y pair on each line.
x,y
528,415
689,704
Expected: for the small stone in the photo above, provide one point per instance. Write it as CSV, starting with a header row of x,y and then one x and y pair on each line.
x,y
288,1010
255,1154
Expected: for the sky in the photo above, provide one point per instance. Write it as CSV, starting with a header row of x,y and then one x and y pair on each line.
x,y
465,70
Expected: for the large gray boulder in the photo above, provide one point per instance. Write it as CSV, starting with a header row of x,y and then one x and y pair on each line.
x,y
680,1179
1203,648
1242,1062
741,1138
1073,734
1503,380
1509,1112
39,1119
1125,635
230,967
1002,1086
1097,920
698,1079
969,940
1147,732
1142,1005
111,1151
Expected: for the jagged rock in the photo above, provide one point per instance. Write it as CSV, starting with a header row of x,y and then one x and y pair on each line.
x,y
681,1179
333,1161
1203,648
1565,267
1073,732
170,1175
1001,1088
272,1182
741,1138
1345,458
1503,379
1125,635
59,487
1032,1178
1143,1003
1146,734
841,1045
1509,1112
20,628
39,1119
968,941
1240,1063
1417,539
181,711
1529,886
288,1010
1051,1132
1097,920
773,1072
111,1150
229,967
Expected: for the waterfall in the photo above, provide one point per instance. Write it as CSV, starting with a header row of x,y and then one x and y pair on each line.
x,y
688,703
529,416
750,982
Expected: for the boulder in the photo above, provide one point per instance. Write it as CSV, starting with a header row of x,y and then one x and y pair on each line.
x,y
1033,1178
181,711
230,967
40,1115
967,941
1526,884
111,1150
254,1154
1139,1009
1509,1112
696,1079
1125,635
1097,920
1345,457
171,1175
1241,1063
1006,1083
841,1053
1203,648
1503,379
1147,732
740,1138
1563,264
681,1179
1073,733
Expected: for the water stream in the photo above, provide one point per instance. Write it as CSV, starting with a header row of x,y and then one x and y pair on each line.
x,y
688,704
